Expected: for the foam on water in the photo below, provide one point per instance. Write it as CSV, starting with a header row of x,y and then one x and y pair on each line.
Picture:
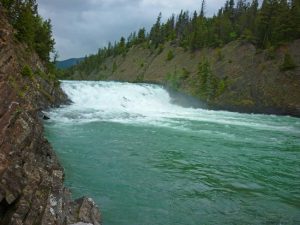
x,y
132,149
148,104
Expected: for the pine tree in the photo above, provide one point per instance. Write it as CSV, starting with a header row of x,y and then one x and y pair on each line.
x,y
155,33
202,12
295,18
30,27
283,30
121,46
141,35
266,22
43,41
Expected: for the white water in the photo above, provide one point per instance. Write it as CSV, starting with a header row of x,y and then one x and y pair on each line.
x,y
152,105
131,148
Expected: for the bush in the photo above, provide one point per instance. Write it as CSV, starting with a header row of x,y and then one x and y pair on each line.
x,y
170,55
219,54
288,63
161,48
270,53
139,78
173,80
248,35
114,68
185,73
26,71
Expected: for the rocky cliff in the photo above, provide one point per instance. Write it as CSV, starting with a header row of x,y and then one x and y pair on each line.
x,y
237,77
31,177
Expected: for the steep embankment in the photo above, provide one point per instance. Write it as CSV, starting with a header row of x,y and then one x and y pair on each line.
x,y
31,178
237,77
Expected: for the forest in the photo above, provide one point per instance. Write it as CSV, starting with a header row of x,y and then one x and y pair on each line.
x,y
267,26
30,27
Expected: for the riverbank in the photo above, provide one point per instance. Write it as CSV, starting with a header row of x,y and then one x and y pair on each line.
x,y
31,177
237,77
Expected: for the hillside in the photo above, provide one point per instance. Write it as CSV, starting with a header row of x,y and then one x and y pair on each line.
x,y
243,59
246,79
64,64
31,177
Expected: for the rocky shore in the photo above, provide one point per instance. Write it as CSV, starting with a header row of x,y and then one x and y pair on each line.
x,y
31,177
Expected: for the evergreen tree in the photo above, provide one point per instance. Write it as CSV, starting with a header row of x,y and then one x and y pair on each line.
x,y
283,30
276,21
155,33
121,46
43,41
30,27
202,12
295,18
141,35
266,22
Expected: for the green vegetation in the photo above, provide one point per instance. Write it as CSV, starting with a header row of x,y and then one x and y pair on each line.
x,y
219,54
139,78
21,89
175,79
210,86
170,55
161,48
114,68
30,27
267,26
27,72
185,73
270,53
288,63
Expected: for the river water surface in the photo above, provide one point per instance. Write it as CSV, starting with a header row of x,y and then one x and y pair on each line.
x,y
147,161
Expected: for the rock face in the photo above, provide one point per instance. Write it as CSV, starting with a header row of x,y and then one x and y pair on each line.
x,y
31,178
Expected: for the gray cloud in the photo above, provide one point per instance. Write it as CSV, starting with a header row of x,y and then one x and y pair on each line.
x,y
81,27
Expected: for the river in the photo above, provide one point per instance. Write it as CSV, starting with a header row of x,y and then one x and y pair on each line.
x,y
148,160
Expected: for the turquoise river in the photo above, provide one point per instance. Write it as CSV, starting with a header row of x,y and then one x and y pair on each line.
x,y
147,158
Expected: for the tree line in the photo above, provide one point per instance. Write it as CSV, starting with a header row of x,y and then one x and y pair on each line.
x,y
269,25
30,26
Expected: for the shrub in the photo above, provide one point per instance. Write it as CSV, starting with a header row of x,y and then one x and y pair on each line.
x,y
27,72
170,55
233,35
288,63
114,68
139,78
270,53
248,35
219,54
160,48
185,73
173,80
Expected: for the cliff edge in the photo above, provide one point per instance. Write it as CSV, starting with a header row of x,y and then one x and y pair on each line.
x,y
31,177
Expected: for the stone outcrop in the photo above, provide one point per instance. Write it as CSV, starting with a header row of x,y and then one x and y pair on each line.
x,y
31,177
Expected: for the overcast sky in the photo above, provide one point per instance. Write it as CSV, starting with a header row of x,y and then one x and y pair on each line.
x,y
80,27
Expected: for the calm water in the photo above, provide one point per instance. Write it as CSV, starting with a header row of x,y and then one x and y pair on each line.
x,y
147,161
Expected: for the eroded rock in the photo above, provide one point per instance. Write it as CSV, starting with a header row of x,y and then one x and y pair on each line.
x,y
31,177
